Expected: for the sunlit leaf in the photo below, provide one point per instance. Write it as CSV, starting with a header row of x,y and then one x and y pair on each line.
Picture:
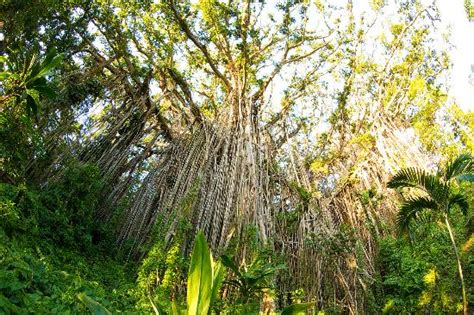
x,y
199,278
95,307
297,309
4,75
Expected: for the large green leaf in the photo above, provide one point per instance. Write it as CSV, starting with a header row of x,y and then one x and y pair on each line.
x,y
49,64
200,278
45,90
415,177
218,276
297,309
95,307
4,75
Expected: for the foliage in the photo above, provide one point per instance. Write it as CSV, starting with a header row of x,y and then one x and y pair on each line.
x,y
63,211
419,276
204,278
93,306
250,280
160,277
23,83
52,250
38,277
436,193
25,79
297,309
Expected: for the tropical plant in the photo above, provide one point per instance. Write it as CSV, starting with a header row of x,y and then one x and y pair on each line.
x,y
297,309
95,307
250,280
204,280
27,78
432,196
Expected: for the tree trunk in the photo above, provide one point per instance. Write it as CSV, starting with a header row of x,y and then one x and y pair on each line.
x,y
458,259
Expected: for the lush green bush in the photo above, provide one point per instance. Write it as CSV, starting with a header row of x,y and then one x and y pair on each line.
x,y
62,212
420,275
48,254
160,277
38,277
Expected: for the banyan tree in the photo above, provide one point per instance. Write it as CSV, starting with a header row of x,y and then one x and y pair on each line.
x,y
215,126
205,118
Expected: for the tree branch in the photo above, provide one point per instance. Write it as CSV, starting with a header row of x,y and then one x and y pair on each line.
x,y
195,40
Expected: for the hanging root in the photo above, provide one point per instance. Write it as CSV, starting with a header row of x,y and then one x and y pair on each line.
x,y
229,173
331,249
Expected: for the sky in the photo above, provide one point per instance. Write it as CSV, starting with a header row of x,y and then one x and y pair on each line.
x,y
462,54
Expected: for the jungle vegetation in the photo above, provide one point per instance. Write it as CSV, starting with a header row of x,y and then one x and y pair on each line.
x,y
232,157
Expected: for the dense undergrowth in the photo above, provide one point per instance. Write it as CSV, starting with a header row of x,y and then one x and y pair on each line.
x,y
52,250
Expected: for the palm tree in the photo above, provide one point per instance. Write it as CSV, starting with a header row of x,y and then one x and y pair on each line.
x,y
434,194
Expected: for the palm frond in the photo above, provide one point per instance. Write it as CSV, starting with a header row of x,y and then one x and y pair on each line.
x,y
461,201
459,167
411,209
417,178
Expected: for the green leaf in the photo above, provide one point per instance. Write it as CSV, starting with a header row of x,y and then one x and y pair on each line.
x,y
415,177
463,164
95,307
47,66
45,90
411,210
297,309
229,263
32,100
199,278
36,82
218,276
4,75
